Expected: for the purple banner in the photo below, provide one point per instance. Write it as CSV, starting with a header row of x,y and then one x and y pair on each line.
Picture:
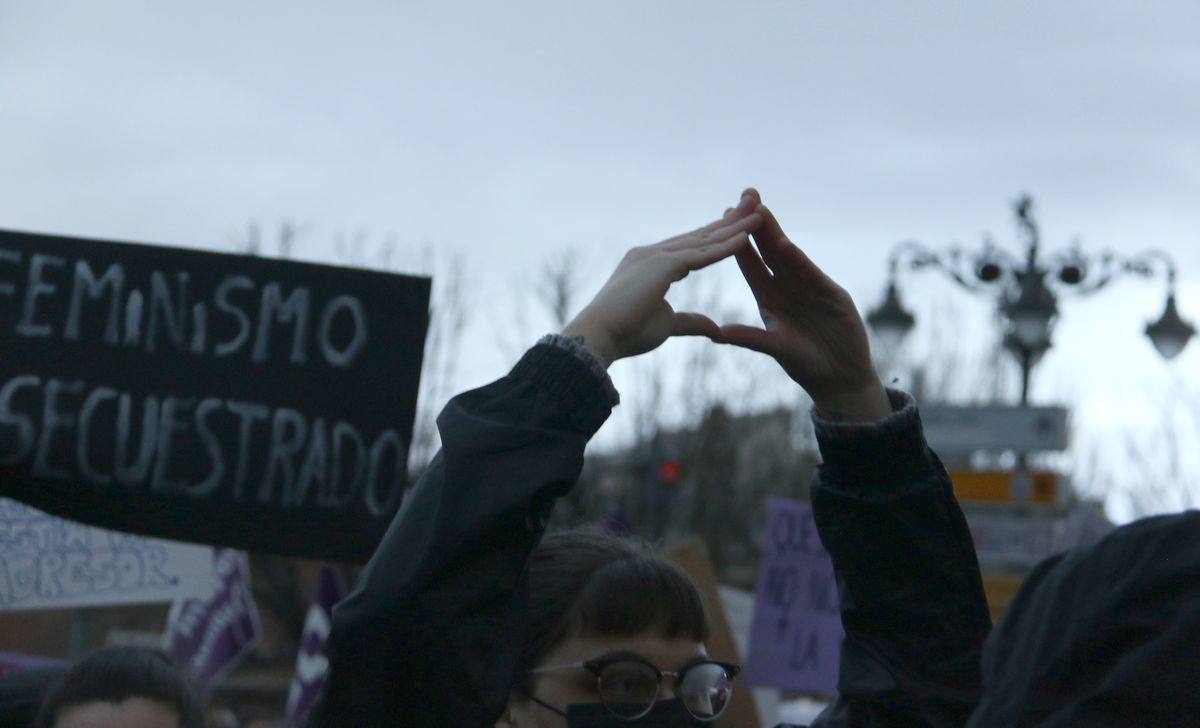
x,y
311,662
796,635
211,636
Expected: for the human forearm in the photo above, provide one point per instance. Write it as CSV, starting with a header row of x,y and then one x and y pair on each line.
x,y
594,338
442,596
912,600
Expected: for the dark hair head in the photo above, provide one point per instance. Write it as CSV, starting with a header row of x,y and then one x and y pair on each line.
x,y
115,674
584,582
22,692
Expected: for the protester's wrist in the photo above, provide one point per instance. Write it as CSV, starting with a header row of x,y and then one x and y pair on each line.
x,y
884,456
867,402
565,368
596,341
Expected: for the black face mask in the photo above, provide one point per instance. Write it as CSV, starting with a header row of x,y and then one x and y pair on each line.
x,y
664,714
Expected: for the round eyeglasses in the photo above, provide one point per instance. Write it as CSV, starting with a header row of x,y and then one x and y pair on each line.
x,y
629,685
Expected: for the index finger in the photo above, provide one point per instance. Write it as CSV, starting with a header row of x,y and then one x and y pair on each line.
x,y
744,208
710,235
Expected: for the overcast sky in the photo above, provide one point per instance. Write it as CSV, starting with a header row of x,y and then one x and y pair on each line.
x,y
509,131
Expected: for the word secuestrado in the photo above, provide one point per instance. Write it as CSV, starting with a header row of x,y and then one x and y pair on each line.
x,y
163,315
69,430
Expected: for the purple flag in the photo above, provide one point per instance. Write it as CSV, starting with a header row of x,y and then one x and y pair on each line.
x,y
796,635
311,661
613,522
211,636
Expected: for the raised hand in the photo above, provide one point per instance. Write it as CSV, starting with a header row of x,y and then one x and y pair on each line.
x,y
810,325
630,315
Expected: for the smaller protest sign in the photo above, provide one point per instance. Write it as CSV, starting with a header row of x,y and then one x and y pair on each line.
x,y
48,563
796,636
212,635
311,662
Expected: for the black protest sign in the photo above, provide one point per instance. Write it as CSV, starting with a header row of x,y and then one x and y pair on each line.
x,y
222,399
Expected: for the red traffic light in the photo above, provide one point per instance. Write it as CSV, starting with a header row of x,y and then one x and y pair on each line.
x,y
669,472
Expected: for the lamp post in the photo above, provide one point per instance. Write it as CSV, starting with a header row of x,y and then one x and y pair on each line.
x,y
1027,290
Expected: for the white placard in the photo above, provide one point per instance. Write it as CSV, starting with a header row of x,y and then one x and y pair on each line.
x,y
956,430
48,562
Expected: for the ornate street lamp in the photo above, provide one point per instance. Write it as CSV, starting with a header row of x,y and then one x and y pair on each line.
x,y
891,322
1028,290
1170,333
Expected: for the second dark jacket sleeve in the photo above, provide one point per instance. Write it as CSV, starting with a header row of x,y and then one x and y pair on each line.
x,y
431,633
912,600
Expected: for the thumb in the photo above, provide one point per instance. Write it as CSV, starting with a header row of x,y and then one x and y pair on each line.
x,y
747,337
694,324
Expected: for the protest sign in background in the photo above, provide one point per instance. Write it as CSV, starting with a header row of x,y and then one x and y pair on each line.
x,y
796,637
311,661
48,562
212,635
222,399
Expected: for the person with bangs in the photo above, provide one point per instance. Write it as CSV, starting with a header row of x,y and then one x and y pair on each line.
x,y
121,687
470,614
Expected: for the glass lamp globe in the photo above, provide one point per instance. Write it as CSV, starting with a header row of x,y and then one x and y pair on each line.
x,y
891,322
1170,333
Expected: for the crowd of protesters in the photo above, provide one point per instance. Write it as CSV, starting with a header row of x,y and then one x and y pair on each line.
x,y
470,614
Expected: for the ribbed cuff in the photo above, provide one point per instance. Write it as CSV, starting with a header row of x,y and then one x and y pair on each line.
x,y
570,378
577,346
875,456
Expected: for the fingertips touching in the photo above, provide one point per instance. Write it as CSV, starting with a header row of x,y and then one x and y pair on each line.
x,y
695,324
747,337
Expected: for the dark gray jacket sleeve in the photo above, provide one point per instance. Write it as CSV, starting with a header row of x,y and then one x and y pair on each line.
x,y
431,633
912,600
